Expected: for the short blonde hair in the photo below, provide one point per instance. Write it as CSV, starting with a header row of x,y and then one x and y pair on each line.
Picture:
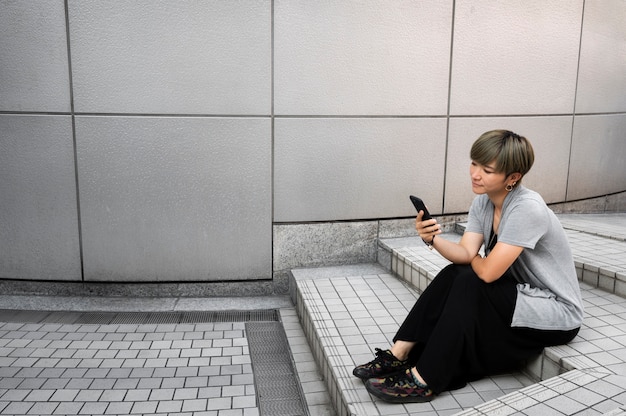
x,y
511,152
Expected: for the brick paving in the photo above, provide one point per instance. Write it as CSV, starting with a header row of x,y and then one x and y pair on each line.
x,y
86,369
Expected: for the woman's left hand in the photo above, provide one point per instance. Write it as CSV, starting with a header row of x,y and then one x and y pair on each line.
x,y
428,229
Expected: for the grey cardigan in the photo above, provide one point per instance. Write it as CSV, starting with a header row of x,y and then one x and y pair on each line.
x,y
548,291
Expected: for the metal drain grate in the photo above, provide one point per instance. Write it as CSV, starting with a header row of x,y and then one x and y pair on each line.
x,y
278,388
137,318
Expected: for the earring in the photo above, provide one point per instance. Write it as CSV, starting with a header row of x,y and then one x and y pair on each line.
x,y
510,186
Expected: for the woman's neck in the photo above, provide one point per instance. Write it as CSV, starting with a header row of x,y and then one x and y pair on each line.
x,y
498,203
498,200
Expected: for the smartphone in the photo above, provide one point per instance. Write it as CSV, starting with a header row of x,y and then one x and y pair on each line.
x,y
419,206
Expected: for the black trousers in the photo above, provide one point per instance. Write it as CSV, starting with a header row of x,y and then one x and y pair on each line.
x,y
462,329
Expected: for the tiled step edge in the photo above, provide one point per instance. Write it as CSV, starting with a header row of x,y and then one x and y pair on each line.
x,y
411,261
325,342
418,265
569,393
598,392
312,383
621,411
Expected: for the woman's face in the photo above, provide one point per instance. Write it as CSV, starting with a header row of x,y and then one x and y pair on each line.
x,y
485,179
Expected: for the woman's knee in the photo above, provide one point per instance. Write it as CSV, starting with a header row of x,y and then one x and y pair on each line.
x,y
452,271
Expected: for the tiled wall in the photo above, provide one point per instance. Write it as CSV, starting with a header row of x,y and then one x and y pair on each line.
x,y
178,140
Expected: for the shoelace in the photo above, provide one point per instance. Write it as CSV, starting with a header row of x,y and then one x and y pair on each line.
x,y
380,357
391,380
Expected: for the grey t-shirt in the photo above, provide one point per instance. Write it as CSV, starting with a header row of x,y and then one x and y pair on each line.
x,y
548,290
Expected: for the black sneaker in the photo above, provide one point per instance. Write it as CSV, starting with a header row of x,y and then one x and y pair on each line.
x,y
400,388
384,364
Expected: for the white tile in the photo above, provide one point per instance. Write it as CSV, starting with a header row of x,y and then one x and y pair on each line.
x,y
565,405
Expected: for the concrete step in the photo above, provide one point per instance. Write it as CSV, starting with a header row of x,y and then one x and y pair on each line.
x,y
348,311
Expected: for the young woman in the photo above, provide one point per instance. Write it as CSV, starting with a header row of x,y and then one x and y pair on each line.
x,y
485,315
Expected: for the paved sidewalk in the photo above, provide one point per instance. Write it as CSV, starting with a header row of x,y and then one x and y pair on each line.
x,y
53,368
63,365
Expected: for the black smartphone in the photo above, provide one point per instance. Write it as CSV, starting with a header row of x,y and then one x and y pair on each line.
x,y
419,206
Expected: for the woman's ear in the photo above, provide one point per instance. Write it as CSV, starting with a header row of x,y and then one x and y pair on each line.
x,y
515,176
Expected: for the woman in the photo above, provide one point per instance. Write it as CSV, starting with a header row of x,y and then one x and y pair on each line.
x,y
485,315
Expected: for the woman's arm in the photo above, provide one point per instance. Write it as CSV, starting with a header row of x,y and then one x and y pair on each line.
x,y
492,267
489,269
459,253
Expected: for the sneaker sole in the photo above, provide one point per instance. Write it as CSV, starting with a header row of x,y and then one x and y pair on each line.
x,y
398,399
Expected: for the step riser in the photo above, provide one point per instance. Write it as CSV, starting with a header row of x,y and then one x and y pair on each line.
x,y
314,337
593,358
542,368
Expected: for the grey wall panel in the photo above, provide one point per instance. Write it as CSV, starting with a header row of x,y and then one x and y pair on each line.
x,y
515,57
551,141
337,169
361,57
172,57
38,214
178,199
598,164
34,73
341,109
602,74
